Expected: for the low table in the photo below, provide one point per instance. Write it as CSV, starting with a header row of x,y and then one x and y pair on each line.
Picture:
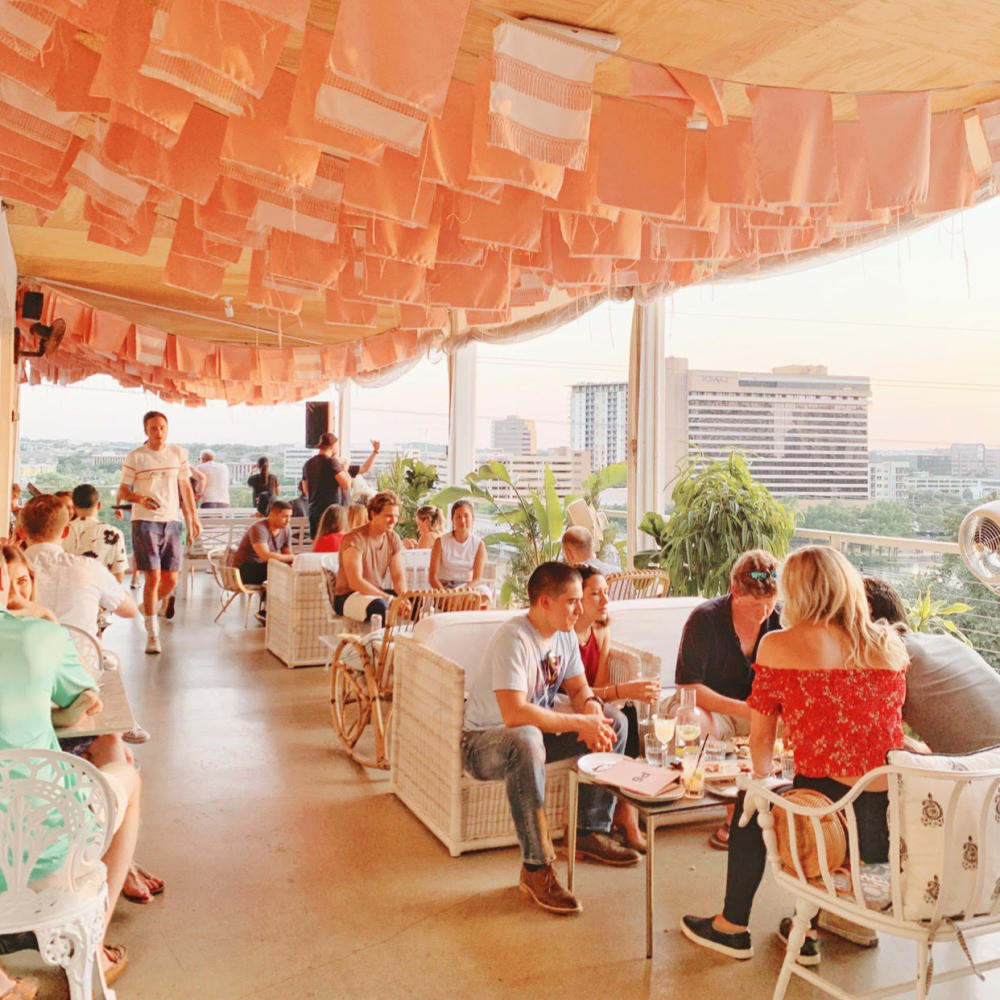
x,y
655,815
115,717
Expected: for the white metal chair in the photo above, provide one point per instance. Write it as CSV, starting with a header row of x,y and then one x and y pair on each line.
x,y
56,822
231,583
88,649
942,881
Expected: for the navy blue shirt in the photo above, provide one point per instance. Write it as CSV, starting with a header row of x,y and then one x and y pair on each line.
x,y
710,651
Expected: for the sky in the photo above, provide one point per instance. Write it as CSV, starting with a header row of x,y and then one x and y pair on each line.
x,y
919,315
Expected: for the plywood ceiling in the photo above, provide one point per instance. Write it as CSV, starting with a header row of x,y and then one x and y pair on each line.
x,y
835,45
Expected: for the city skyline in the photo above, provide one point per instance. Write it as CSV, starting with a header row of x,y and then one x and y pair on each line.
x,y
916,315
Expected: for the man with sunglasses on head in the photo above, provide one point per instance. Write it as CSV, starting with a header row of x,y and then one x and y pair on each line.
x,y
718,648
511,730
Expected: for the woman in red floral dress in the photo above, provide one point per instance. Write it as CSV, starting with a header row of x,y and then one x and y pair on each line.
x,y
838,681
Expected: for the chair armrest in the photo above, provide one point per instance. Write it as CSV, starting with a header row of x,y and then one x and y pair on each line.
x,y
626,663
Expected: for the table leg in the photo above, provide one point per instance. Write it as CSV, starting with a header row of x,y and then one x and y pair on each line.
x,y
571,810
650,848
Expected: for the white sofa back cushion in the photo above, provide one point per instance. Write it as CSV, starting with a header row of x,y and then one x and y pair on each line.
x,y
308,562
654,625
941,845
461,636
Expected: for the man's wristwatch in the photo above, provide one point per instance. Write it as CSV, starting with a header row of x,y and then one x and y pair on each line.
x,y
594,697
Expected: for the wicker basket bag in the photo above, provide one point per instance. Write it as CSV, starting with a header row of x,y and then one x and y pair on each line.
x,y
832,828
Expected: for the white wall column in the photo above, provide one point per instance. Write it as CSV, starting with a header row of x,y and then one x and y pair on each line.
x,y
647,417
461,413
8,373
343,431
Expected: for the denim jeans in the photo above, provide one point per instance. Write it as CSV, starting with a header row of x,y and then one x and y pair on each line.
x,y
518,755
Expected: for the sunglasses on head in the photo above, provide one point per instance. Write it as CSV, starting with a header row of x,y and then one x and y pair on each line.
x,y
763,574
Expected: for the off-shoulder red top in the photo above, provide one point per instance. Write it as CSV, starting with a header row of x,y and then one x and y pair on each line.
x,y
837,721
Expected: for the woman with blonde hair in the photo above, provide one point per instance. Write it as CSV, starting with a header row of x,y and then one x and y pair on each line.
x,y
22,599
838,681
430,527
330,532
357,515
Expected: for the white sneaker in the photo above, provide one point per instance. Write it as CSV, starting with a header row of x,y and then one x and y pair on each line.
x,y
153,643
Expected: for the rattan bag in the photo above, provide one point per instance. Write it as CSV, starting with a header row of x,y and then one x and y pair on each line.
x,y
832,829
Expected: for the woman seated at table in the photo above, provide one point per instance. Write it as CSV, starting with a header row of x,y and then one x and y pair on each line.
x,y
21,600
430,527
368,556
38,668
330,533
458,557
594,636
838,681
357,515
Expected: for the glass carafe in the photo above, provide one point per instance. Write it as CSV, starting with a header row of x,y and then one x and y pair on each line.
x,y
688,725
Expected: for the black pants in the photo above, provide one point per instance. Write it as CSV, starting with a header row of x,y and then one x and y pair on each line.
x,y
747,854
253,573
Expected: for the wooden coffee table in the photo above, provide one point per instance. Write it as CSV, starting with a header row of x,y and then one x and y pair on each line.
x,y
655,815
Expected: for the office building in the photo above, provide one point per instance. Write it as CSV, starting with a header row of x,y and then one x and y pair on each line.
x,y
515,436
889,480
804,432
598,421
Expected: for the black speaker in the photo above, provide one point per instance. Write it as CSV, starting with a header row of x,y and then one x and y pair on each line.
x,y
317,422
31,305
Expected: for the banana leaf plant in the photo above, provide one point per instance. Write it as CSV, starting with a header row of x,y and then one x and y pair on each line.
x,y
924,614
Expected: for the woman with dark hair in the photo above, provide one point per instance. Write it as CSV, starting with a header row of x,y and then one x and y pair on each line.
x,y
330,533
264,485
369,556
593,635
458,557
838,681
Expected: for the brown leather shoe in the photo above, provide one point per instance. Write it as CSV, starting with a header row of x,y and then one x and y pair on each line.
x,y
543,887
602,847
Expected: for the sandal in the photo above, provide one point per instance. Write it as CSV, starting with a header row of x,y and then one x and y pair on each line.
x,y
117,955
719,841
23,989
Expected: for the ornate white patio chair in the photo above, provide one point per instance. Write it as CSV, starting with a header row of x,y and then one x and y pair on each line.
x,y
942,880
231,583
56,815
88,649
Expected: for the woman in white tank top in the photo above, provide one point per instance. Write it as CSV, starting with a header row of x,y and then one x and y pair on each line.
x,y
458,558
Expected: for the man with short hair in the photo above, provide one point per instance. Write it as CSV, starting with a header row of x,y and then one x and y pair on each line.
x,y
327,481
266,539
511,730
92,539
74,588
578,550
952,693
215,491
156,479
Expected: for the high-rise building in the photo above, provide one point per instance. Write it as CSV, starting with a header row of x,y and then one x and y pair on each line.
x,y
515,435
598,421
804,432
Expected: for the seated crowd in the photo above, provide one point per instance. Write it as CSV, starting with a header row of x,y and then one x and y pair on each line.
x,y
797,644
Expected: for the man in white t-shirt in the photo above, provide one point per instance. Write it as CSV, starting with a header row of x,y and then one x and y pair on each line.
x,y
92,538
215,492
74,588
156,480
511,730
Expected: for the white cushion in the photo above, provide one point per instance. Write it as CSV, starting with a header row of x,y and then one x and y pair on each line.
x,y
461,636
654,625
931,866
308,562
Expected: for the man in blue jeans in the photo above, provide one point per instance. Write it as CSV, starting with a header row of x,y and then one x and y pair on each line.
x,y
511,730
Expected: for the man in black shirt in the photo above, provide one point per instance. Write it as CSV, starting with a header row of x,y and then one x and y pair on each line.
x,y
327,481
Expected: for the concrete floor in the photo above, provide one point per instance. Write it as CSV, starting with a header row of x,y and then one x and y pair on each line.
x,y
292,872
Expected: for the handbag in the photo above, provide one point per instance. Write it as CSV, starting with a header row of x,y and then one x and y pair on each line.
x,y
833,829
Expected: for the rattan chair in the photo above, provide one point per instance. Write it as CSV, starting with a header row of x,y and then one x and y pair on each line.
x,y
361,670
230,583
636,584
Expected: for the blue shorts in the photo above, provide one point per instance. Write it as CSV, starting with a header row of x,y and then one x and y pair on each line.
x,y
157,545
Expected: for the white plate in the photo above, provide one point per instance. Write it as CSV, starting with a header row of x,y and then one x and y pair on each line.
x,y
592,764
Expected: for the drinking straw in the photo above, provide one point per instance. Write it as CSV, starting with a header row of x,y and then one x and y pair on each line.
x,y
704,744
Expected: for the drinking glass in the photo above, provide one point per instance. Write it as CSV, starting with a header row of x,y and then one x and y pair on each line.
x,y
664,726
688,731
654,750
692,776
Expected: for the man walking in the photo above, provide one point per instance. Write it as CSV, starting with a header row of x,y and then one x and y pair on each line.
x,y
215,493
156,478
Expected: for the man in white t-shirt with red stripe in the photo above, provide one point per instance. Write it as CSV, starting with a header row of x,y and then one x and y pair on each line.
x,y
156,480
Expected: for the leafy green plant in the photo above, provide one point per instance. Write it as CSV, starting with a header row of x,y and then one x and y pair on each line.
x,y
412,481
720,510
924,614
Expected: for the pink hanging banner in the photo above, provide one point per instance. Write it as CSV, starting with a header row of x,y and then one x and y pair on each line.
x,y
897,129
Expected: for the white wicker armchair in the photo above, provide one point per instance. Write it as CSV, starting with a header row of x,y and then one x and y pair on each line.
x,y
942,881
465,814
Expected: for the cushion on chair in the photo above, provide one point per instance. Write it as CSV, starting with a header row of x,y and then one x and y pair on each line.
x,y
875,885
655,625
461,636
308,562
931,866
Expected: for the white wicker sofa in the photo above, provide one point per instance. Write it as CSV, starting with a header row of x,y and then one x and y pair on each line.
x,y
428,711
